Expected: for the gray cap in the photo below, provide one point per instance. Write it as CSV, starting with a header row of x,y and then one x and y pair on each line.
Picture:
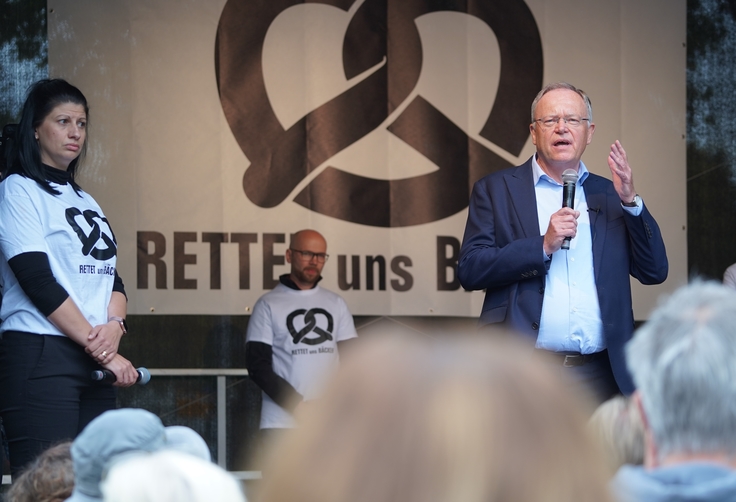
x,y
184,439
112,433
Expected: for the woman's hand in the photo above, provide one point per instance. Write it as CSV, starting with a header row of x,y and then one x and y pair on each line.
x,y
124,371
104,340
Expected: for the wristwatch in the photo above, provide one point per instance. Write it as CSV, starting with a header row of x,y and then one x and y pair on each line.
x,y
121,321
634,203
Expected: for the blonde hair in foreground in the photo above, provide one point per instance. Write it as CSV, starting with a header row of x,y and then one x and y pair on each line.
x,y
476,419
49,478
618,426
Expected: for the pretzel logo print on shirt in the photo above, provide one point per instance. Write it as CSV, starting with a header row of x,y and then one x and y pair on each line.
x,y
310,326
90,241
382,41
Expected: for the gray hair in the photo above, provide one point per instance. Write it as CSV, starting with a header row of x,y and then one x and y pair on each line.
x,y
683,361
563,85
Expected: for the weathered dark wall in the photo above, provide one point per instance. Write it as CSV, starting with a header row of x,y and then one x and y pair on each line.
x,y
23,52
711,147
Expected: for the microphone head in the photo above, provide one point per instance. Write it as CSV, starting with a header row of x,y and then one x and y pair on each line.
x,y
144,376
569,176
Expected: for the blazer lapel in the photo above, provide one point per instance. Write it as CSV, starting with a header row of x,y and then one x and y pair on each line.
x,y
520,183
595,196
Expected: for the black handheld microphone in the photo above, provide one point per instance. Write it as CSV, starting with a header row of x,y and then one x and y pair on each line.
x,y
144,376
569,179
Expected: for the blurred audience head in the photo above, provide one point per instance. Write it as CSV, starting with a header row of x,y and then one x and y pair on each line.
x,y
683,361
119,432
476,419
618,426
49,478
168,476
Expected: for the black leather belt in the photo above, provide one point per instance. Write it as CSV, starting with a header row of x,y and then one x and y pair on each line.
x,y
572,359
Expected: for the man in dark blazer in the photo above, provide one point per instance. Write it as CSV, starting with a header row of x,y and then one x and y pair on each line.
x,y
574,304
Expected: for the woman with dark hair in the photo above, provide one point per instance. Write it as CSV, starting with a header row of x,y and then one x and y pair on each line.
x,y
64,305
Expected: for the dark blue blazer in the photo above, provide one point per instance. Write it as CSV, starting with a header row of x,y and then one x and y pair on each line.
x,y
502,253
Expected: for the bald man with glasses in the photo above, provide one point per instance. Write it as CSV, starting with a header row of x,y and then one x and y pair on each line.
x,y
296,333
558,275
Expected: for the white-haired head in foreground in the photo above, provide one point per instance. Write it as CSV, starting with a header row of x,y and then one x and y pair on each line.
x,y
683,361
168,476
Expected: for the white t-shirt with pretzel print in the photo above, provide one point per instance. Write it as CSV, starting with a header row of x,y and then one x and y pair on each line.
x,y
303,327
72,230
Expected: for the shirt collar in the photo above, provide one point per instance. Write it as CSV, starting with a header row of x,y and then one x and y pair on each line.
x,y
538,173
285,279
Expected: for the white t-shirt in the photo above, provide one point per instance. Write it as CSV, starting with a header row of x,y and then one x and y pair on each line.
x,y
303,327
72,230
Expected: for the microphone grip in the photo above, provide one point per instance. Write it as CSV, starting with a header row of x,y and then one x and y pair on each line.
x,y
568,195
568,200
107,376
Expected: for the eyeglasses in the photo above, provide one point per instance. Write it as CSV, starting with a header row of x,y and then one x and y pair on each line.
x,y
308,255
549,122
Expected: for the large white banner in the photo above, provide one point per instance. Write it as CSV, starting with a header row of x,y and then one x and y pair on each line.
x,y
218,128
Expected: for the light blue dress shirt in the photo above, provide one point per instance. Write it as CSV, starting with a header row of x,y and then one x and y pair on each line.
x,y
571,315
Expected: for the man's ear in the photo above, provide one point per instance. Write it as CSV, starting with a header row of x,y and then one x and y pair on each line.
x,y
591,131
636,400
288,256
651,455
